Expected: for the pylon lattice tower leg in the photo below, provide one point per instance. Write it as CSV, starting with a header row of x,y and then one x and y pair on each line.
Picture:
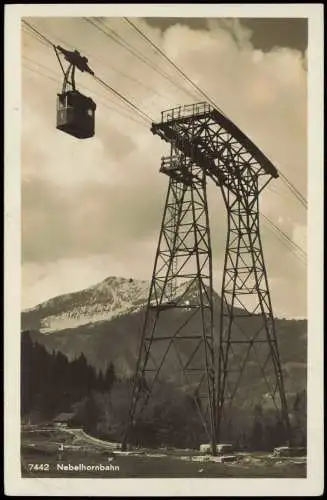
x,y
182,283
206,144
247,329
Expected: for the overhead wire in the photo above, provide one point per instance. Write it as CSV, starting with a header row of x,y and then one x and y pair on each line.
x,y
284,194
31,33
285,243
285,236
40,73
113,35
294,190
43,37
287,195
121,42
123,98
162,53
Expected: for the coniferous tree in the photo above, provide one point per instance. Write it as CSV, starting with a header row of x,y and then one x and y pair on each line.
x,y
26,373
109,377
257,434
100,381
300,419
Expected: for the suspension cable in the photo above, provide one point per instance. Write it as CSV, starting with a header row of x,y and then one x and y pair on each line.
x,y
162,53
43,37
110,33
294,190
284,235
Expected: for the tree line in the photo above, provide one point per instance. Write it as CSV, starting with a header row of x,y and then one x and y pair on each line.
x,y
50,383
99,401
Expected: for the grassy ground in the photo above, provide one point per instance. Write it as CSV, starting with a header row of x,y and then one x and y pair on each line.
x,y
40,457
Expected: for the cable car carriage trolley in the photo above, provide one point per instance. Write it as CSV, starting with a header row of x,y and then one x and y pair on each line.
x,y
75,111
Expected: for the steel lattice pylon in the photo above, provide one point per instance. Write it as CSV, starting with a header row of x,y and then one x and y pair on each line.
x,y
205,144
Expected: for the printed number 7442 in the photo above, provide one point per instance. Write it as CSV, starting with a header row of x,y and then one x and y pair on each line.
x,y
39,467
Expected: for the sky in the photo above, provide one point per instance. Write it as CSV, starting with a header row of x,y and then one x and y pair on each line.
x,y
92,209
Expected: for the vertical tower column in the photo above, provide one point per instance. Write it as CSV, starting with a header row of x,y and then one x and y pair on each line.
x,y
179,346
247,329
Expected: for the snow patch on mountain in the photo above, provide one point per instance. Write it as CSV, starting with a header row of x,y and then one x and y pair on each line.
x,y
104,301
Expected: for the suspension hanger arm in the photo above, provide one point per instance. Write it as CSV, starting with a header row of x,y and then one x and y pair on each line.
x,y
76,59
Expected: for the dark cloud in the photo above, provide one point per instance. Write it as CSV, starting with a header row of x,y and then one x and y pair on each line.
x,y
270,33
267,33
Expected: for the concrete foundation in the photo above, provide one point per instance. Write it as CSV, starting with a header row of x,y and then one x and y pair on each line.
x,y
287,451
224,459
218,460
220,448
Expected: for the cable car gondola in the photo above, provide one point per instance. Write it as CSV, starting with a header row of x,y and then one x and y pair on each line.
x,y
75,111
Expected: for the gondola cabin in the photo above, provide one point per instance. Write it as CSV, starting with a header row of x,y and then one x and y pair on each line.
x,y
76,114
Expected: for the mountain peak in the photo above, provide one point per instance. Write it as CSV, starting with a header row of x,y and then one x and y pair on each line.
x,y
118,281
109,298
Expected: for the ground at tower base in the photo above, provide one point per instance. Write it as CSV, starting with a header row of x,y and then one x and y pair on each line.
x,y
54,452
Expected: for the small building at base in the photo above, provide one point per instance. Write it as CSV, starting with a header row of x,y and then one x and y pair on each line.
x,y
63,419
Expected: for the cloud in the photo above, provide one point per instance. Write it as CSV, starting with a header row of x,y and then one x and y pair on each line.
x,y
82,199
234,27
90,219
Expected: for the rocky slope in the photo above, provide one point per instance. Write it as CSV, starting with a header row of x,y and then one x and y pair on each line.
x,y
101,302
105,322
